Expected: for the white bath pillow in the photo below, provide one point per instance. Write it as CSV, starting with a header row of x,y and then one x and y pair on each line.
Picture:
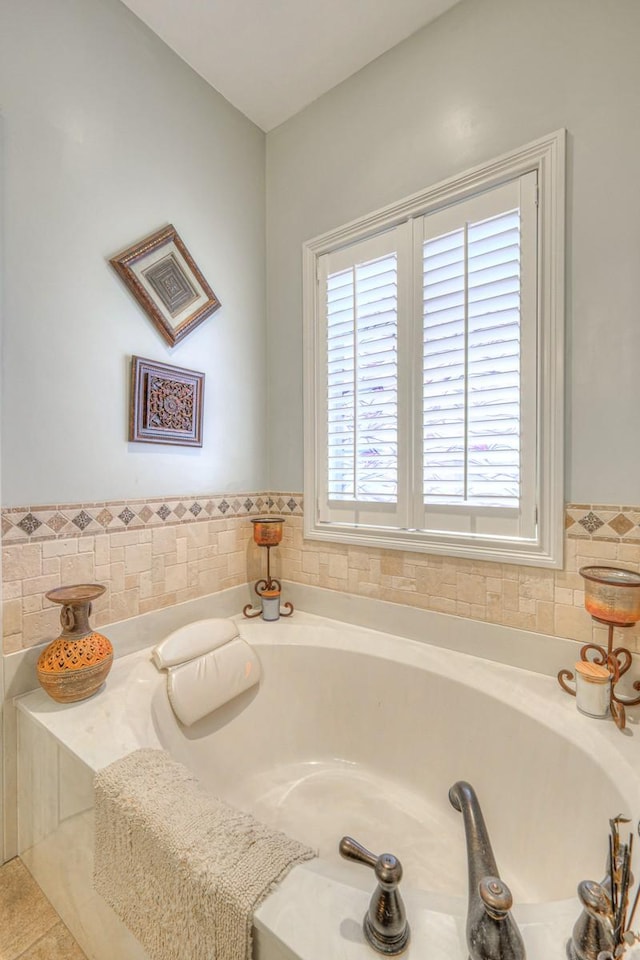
x,y
201,686
193,641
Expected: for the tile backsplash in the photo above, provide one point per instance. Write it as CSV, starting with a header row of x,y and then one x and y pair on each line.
x,y
154,553
149,554
529,598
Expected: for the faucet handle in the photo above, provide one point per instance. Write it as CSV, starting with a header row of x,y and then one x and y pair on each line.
x,y
595,899
388,868
350,849
385,923
496,896
593,935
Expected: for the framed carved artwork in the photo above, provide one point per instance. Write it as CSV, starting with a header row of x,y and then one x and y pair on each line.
x,y
166,404
165,280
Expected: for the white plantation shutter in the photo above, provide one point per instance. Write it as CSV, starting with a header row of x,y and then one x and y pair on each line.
x,y
433,367
470,472
361,424
478,475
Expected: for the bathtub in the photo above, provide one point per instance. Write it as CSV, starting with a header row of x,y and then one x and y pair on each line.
x,y
351,731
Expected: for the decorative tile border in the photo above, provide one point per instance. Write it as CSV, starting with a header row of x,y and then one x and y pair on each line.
x,y
57,522
603,522
62,521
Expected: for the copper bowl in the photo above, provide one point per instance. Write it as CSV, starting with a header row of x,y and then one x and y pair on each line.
x,y
612,595
267,531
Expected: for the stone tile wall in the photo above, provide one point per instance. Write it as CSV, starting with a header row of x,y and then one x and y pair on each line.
x,y
531,598
151,555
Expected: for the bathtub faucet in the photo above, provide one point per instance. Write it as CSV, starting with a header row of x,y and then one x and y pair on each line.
x,y
492,933
385,922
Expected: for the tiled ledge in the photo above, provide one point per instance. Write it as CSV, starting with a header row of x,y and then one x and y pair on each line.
x,y
61,521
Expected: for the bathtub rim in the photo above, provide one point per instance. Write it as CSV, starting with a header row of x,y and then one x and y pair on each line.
x,y
545,703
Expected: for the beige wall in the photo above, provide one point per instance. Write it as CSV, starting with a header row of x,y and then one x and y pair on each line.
x,y
119,133
109,136
485,78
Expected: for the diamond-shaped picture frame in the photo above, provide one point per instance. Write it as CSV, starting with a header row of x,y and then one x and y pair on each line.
x,y
166,404
167,283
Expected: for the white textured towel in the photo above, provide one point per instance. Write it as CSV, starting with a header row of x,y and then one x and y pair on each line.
x,y
201,686
193,641
183,870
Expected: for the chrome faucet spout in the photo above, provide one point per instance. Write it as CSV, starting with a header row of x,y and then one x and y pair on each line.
x,y
492,933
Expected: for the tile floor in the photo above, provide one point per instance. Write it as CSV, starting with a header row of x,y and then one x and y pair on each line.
x,y
30,929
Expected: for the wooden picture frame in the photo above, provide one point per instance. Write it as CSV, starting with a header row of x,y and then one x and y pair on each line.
x,y
167,283
166,404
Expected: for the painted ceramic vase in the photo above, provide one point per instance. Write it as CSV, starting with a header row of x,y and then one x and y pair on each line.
x,y
75,665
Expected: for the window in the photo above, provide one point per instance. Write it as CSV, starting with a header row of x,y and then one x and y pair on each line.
x,y
433,374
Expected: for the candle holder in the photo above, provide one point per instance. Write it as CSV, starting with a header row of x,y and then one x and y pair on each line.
x,y
267,532
612,597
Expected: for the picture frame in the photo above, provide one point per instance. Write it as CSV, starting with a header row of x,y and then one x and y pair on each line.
x,y
166,404
167,283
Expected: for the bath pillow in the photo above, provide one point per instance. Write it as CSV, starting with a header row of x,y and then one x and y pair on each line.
x,y
199,687
193,640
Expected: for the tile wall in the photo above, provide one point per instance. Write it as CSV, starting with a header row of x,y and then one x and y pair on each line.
x,y
151,554
546,601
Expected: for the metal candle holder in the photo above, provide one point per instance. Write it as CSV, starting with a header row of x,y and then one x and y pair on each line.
x,y
267,532
612,597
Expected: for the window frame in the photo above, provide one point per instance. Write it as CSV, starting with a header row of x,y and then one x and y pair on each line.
x,y
545,157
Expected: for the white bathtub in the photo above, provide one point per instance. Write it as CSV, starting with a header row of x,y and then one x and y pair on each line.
x,y
350,732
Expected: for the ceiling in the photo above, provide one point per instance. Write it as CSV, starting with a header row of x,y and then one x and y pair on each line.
x,y
270,58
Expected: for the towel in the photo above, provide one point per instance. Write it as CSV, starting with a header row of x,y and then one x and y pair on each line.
x,y
201,686
183,870
193,641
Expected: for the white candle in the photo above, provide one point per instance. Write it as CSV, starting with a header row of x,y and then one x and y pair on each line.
x,y
593,689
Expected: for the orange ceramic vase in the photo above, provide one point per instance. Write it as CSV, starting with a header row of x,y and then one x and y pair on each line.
x,y
75,665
